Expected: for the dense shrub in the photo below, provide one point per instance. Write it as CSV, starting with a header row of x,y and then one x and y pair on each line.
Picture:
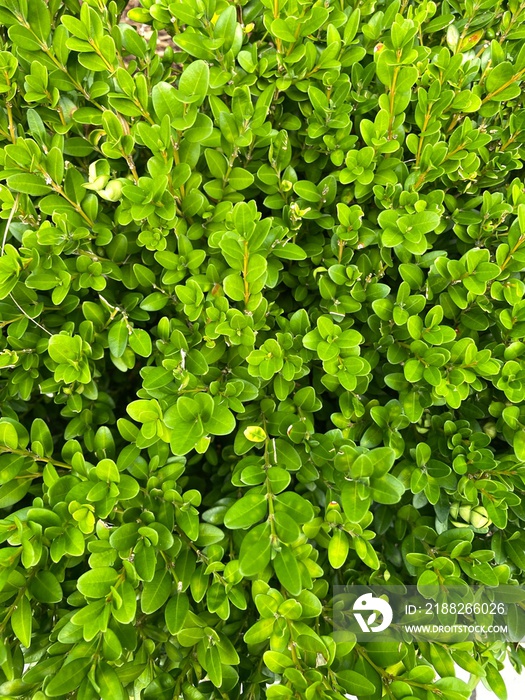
x,y
262,319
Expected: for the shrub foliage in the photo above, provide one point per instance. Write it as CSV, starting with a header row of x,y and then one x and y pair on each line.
x,y
262,318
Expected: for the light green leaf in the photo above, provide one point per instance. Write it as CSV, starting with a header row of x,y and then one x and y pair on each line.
x,y
254,433
355,501
387,489
246,511
97,583
287,570
13,491
240,179
64,349
156,592
28,183
118,338
46,588
338,549
355,683
213,665
109,683
69,677
176,611
496,682
254,555
8,435
184,436
22,621
222,421
519,445
193,84
140,342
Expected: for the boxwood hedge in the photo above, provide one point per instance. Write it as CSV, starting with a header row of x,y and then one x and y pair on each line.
x,y
262,333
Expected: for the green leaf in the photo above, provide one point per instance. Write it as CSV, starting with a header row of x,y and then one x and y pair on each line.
x,y
246,511
280,30
240,179
294,505
366,552
361,467
290,251
428,583
143,410
28,183
97,583
64,349
46,588
307,191
193,83
13,491
217,163
260,631
222,421
140,342
22,621
502,82
254,555
276,661
195,44
118,338
338,549
516,553
387,489
355,683
287,570
69,677
184,436
496,682
355,503
519,445
164,100
125,537
254,433
382,459
176,611
188,521
442,660
233,286
127,611
314,20
213,665
8,435
109,683
41,438
453,688
156,592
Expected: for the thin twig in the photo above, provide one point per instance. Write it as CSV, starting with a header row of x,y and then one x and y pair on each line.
x,y
9,221
28,316
4,240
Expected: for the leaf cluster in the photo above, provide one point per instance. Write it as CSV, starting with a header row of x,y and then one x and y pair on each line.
x,y
262,332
